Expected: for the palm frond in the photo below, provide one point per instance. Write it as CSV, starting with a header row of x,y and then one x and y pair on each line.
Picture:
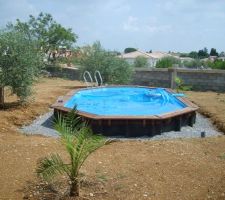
x,y
67,134
73,120
87,143
48,168
69,123
61,125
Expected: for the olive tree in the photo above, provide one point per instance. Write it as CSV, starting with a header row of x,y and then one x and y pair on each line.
x,y
49,34
141,61
167,62
114,70
20,63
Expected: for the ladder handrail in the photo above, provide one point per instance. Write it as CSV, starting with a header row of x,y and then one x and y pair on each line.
x,y
100,77
89,76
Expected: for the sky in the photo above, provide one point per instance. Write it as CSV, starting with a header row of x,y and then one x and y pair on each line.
x,y
158,25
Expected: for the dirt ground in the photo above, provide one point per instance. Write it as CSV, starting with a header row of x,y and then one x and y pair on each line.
x,y
129,170
211,104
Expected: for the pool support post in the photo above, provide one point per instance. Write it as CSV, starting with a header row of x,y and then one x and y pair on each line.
x,y
192,119
178,123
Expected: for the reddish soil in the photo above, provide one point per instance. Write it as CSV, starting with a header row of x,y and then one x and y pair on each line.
x,y
175,169
212,104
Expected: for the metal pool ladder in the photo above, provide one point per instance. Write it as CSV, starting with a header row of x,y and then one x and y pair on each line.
x,y
86,76
97,76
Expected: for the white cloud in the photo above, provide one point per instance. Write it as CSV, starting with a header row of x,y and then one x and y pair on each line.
x,y
12,10
114,6
131,24
158,29
151,25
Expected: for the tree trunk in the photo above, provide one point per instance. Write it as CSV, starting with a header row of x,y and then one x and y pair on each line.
x,y
49,57
1,96
74,188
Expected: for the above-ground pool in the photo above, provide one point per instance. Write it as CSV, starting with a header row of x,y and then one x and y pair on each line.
x,y
125,101
129,110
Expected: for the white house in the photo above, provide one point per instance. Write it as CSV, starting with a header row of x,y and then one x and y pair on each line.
x,y
130,57
221,58
152,57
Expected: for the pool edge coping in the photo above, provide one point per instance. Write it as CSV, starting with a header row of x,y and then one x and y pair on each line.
x,y
59,105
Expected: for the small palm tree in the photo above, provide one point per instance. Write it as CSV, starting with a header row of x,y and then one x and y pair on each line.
x,y
79,142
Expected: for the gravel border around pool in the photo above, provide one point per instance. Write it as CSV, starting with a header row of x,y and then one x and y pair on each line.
x,y
43,126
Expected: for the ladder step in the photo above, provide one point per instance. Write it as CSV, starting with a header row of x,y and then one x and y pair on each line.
x,y
97,77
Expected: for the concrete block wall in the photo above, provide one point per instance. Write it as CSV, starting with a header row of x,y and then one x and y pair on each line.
x,y
204,80
153,77
201,80
64,72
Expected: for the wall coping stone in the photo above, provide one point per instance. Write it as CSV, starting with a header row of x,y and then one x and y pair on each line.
x,y
210,71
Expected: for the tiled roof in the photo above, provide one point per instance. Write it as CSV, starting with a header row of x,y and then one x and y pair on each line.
x,y
135,54
159,54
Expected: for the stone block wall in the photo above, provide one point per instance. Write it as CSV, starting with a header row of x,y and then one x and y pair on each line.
x,y
64,72
153,77
202,80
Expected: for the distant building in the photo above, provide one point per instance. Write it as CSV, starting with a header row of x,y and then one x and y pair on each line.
x,y
221,58
188,59
130,57
151,57
212,58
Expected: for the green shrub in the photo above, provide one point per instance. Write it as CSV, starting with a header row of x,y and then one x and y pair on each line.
x,y
167,62
180,85
195,63
141,61
114,70
217,64
62,60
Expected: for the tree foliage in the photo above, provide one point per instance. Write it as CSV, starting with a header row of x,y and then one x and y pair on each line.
x,y
79,143
213,52
114,70
217,64
183,55
141,61
193,54
20,62
195,63
167,62
49,34
129,50
203,53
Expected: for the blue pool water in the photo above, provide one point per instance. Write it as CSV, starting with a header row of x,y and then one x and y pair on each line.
x,y
124,101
